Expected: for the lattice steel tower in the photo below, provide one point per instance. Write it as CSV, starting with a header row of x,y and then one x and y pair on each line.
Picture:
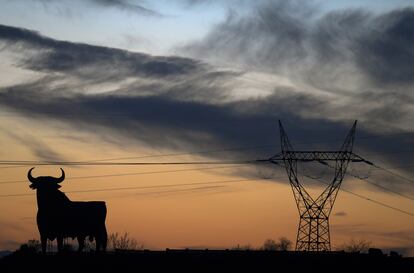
x,y
313,231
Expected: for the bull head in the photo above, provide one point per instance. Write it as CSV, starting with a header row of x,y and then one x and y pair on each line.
x,y
45,181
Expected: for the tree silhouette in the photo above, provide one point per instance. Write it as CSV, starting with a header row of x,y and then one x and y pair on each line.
x,y
123,242
355,246
270,244
284,244
32,246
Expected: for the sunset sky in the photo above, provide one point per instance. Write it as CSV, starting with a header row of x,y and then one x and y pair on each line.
x,y
205,80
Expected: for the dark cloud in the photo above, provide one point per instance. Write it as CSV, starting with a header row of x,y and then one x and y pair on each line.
x,y
164,122
278,30
175,103
90,62
340,213
135,6
293,38
386,52
361,58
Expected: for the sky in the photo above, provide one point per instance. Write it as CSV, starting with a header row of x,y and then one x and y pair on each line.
x,y
194,80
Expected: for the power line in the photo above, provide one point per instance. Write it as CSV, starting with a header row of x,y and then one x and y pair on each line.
x,y
213,182
199,169
373,183
394,174
388,189
362,196
238,149
378,202
390,152
128,174
146,187
182,163
4,162
94,163
160,155
397,167
167,155
171,171
101,162
14,164
30,163
367,198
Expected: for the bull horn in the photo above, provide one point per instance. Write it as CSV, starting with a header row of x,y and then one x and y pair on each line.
x,y
61,178
30,177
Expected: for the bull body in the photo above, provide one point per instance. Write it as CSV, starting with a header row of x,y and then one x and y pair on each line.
x,y
58,217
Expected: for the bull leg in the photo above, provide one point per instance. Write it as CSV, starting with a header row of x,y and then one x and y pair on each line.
x,y
104,239
60,244
101,239
98,243
81,242
43,240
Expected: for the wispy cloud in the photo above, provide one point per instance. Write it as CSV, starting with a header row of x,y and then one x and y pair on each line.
x,y
295,38
186,104
128,5
363,60
138,7
39,148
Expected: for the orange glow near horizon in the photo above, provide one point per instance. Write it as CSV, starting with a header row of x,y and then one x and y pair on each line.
x,y
215,215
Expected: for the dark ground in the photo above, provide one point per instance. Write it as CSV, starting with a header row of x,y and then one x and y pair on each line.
x,y
205,261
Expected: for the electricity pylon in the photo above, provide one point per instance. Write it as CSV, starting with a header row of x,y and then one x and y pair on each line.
x,y
313,231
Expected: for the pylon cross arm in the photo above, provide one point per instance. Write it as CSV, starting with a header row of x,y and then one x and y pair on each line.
x,y
317,156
